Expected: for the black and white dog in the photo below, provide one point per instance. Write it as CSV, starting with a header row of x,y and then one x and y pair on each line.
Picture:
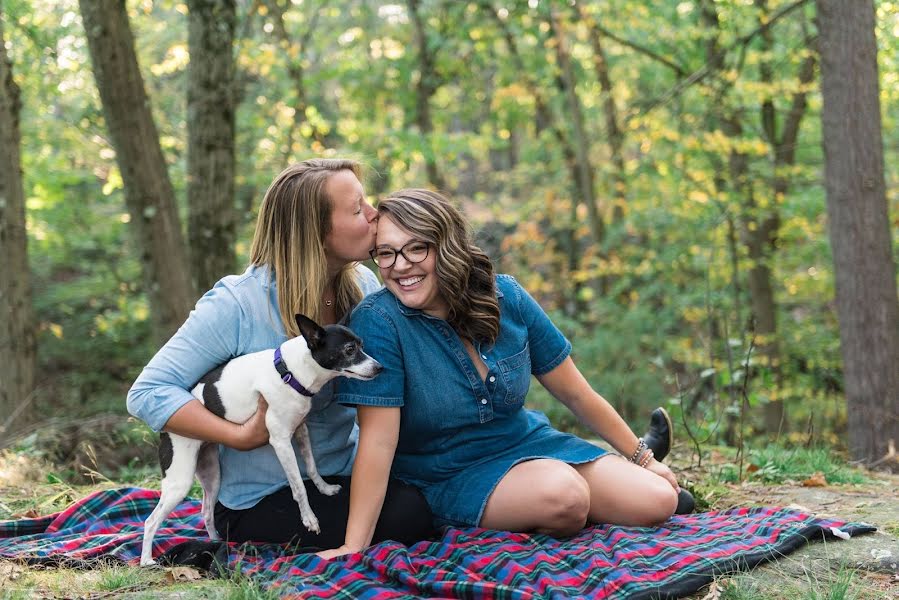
x,y
287,377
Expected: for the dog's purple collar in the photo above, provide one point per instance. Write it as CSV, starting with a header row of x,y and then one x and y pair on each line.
x,y
287,377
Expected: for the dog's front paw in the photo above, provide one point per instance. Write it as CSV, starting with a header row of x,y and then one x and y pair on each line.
x,y
329,490
147,562
311,523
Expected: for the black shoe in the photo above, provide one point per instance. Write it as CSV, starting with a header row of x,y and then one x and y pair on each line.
x,y
211,556
685,503
660,436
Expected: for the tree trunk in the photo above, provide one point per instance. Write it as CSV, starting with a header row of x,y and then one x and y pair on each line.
x,y
613,129
767,223
296,50
581,144
210,140
17,329
425,87
859,224
148,189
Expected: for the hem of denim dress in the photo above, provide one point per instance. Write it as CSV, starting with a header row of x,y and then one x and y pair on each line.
x,y
566,351
526,459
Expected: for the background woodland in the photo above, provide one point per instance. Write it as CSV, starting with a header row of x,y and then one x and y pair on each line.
x,y
654,172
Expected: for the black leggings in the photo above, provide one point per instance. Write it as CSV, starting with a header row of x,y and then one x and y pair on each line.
x,y
405,518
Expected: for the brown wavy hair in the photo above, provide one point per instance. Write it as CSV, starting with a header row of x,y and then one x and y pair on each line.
x,y
465,274
294,219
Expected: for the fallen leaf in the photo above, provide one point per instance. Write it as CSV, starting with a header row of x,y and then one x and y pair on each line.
x,y
752,468
176,574
816,480
714,591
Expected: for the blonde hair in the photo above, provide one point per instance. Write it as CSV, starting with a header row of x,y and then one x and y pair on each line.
x,y
294,219
465,275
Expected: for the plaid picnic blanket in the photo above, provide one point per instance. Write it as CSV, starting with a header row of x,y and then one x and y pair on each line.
x,y
606,562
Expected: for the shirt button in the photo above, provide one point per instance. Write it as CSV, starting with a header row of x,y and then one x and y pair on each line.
x,y
483,400
492,379
484,357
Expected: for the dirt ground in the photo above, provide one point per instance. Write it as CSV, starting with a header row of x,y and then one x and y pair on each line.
x,y
868,563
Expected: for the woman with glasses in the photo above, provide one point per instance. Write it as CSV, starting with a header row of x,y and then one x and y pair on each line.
x,y
314,227
459,345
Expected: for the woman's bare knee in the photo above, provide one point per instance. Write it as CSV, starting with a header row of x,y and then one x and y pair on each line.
x,y
565,503
659,503
543,495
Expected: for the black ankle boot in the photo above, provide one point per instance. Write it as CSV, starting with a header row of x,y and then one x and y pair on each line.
x,y
685,503
660,435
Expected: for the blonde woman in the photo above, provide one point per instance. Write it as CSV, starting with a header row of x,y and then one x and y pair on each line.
x,y
459,345
314,227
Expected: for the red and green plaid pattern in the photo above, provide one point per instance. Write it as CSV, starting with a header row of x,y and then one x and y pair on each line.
x,y
601,562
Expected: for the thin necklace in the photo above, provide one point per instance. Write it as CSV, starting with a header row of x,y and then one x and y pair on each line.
x,y
329,302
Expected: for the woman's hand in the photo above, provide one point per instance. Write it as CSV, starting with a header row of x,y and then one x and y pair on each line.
x,y
329,554
253,433
664,472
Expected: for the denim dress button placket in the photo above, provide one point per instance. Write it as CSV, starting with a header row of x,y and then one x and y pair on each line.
x,y
485,408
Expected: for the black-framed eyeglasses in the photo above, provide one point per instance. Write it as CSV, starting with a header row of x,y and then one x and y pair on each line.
x,y
414,252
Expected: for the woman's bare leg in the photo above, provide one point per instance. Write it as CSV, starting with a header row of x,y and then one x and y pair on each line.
x,y
542,495
622,493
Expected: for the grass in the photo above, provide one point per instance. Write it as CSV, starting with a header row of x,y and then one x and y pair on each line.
x,y
817,586
775,464
838,589
118,577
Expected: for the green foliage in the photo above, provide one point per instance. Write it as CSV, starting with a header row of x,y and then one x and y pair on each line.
x,y
658,310
741,589
838,589
119,577
775,464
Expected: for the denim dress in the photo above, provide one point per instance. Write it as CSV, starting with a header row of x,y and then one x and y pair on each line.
x,y
459,434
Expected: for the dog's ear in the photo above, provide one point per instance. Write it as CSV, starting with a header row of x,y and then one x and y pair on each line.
x,y
310,330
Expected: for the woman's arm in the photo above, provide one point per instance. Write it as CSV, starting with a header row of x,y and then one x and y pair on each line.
x,y
379,428
569,386
194,421
211,336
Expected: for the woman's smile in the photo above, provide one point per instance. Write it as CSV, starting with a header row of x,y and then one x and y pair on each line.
x,y
413,283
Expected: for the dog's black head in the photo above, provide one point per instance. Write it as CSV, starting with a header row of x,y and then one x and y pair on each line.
x,y
336,348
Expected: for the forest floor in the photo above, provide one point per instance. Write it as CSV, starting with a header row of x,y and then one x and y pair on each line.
x,y
864,567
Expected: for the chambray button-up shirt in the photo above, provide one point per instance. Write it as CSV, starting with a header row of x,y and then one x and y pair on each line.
x,y
238,316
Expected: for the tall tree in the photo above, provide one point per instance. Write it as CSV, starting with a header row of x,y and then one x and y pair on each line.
x,y
425,88
296,51
17,329
585,171
210,139
864,269
148,189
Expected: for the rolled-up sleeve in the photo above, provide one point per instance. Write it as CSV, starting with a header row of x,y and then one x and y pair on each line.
x,y
381,341
548,346
208,338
